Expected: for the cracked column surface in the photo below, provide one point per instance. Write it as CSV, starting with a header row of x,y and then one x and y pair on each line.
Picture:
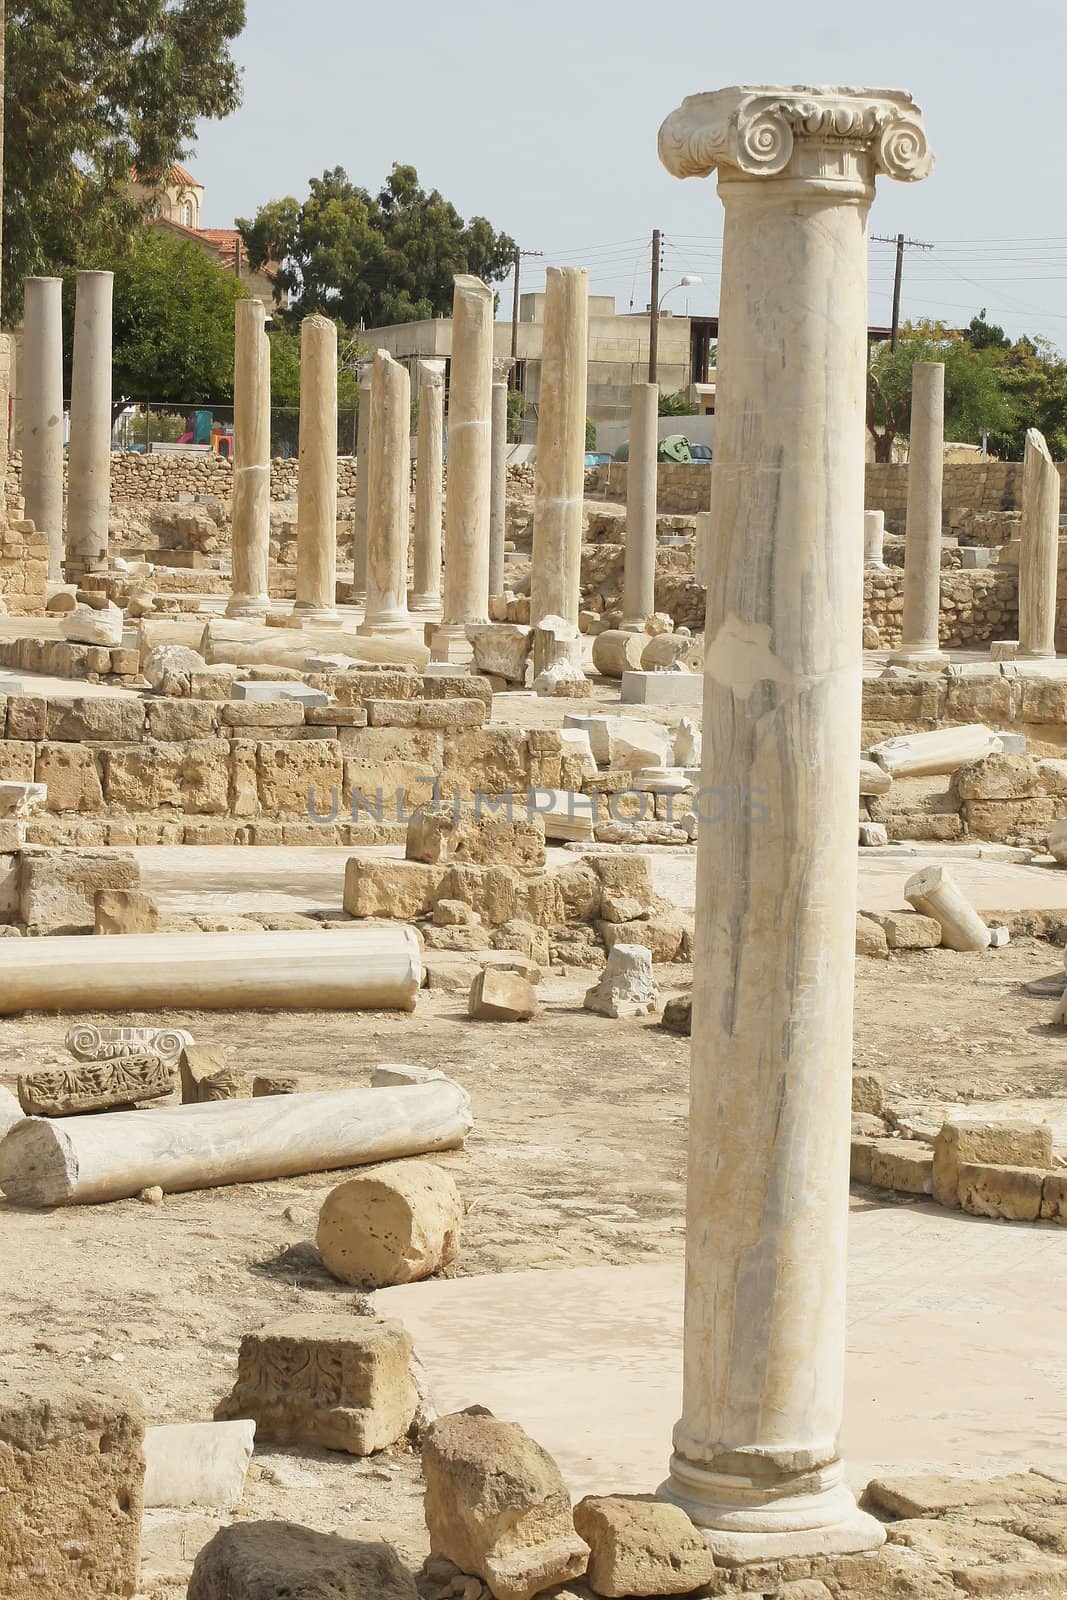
x,y
426,570
316,500
389,485
921,618
756,1461
559,473
250,595
470,402
1039,543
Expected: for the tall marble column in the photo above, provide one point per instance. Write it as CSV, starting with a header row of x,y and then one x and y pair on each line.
x,y
89,454
7,372
389,485
1039,547
42,413
250,584
639,566
920,626
756,1460
498,498
359,531
429,497
559,476
470,400
316,500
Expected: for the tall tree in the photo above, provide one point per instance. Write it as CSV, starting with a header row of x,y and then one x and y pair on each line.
x,y
370,260
977,400
95,89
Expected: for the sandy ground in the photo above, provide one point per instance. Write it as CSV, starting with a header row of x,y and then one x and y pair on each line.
x,y
577,1159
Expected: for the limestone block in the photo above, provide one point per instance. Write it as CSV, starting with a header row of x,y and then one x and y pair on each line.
x,y
244,714
580,890
10,1111
70,776
642,1547
27,716
873,835
618,650
266,1084
299,777
341,1382
266,689
629,875
394,1073
443,836
103,719
86,1086
1014,1193
57,889
934,893
196,1063
998,777
173,721
197,1463
662,688
501,648
971,1142
281,1561
405,890
627,987
497,1507
902,1164
501,997
942,750
493,760
907,930
688,745
624,743
124,911
861,1157
86,626
868,1093
193,777
226,1084
1005,819
392,1224
71,1473
1053,1196
168,668
21,799
939,1494
17,761
667,935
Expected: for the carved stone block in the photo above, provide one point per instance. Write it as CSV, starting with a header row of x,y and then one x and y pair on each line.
x,y
87,1042
341,1382
95,1085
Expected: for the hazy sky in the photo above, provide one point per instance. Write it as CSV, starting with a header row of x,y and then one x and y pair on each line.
x,y
544,118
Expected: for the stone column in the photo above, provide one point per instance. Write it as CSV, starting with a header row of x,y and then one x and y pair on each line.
x,y
42,413
756,1461
498,499
359,532
559,477
389,489
1039,545
7,368
920,638
639,572
873,540
470,400
316,508
429,498
250,596
89,453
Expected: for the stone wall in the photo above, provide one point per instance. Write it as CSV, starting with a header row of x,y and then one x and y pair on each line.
x,y
145,479
23,568
976,606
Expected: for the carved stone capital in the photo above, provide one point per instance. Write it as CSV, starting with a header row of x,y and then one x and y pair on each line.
x,y
766,132
431,374
502,366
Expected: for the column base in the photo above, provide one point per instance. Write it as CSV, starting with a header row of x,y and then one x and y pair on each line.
x,y
632,625
302,614
424,603
450,643
742,1528
1034,655
252,606
384,627
919,660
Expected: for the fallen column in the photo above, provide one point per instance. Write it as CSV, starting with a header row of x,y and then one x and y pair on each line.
x,y
874,779
251,645
924,755
89,1160
373,968
934,893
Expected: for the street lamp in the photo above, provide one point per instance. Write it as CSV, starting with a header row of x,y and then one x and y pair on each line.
x,y
653,323
687,283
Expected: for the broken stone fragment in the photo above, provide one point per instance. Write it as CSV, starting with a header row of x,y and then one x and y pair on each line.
x,y
273,1083
337,1381
88,1086
391,1224
498,996
627,987
281,1561
642,1547
197,1063
496,1505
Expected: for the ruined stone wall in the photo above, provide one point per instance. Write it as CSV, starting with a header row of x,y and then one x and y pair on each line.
x,y
145,479
23,569
976,606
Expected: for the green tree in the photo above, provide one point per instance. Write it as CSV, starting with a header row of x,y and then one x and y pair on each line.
x,y
173,320
96,88
1034,376
370,260
977,399
676,405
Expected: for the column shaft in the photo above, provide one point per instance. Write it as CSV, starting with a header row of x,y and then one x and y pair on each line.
x,y
470,398
359,530
920,639
429,497
250,584
42,413
1039,547
89,455
389,486
559,477
873,539
639,572
498,508
316,512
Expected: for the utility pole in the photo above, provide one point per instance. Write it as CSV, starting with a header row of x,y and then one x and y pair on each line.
x,y
653,310
513,376
901,244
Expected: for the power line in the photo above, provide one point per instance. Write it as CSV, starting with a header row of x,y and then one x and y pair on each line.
x,y
902,244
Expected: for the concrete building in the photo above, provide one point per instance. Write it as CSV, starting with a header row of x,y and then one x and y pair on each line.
x,y
618,352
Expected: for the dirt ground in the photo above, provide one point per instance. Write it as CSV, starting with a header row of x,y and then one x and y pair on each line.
x,y
577,1157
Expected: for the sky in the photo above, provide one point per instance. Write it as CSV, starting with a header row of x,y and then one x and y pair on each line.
x,y
544,118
